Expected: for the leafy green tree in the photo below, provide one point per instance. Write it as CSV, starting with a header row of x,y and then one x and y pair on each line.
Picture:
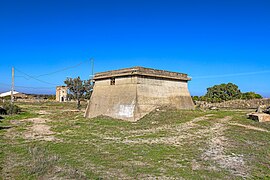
x,y
223,92
251,95
78,88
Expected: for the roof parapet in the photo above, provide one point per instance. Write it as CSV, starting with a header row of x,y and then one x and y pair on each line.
x,y
142,71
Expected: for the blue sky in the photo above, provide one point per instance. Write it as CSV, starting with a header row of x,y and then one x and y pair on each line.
x,y
212,41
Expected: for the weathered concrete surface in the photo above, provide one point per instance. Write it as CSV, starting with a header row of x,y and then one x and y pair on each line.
x,y
261,117
117,101
134,95
153,93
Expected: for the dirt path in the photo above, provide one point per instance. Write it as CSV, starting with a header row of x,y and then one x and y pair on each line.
x,y
179,134
183,126
38,130
216,151
249,127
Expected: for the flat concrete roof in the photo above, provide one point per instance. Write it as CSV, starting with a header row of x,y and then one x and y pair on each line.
x,y
142,71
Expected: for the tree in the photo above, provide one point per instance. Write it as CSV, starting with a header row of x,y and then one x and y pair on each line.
x,y
78,88
223,92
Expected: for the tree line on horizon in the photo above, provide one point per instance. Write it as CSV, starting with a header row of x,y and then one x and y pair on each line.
x,y
225,92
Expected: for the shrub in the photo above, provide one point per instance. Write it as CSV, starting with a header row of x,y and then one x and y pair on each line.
x,y
251,95
3,111
41,162
11,108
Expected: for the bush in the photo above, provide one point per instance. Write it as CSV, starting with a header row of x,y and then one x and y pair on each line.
x,y
11,108
251,95
41,162
195,98
2,111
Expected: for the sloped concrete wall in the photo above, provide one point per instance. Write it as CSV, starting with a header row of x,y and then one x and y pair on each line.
x,y
153,93
117,101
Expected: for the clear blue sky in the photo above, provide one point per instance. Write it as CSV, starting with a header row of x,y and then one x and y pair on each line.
x,y
226,41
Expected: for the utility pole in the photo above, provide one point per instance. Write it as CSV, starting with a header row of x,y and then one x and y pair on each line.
x,y
92,77
92,62
12,86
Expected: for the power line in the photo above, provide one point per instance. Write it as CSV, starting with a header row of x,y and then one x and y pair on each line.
x,y
32,77
64,69
27,76
22,77
28,87
60,70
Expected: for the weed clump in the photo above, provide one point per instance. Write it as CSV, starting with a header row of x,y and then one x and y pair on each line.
x,y
9,108
41,162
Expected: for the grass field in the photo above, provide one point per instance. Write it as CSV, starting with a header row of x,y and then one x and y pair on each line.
x,y
54,141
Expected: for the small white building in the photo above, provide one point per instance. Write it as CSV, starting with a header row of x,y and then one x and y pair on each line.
x,y
15,94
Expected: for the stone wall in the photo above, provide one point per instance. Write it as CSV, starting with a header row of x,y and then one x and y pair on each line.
x,y
236,104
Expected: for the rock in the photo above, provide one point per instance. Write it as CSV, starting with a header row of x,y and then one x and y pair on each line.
x,y
259,109
213,108
267,110
261,117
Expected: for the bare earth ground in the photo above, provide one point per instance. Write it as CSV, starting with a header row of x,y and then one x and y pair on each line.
x,y
54,141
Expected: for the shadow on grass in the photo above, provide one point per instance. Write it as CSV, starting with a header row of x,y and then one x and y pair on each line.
x,y
4,127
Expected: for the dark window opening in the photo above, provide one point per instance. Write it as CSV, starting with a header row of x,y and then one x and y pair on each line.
x,y
112,81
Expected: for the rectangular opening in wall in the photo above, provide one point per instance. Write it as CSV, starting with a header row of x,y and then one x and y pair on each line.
x,y
112,81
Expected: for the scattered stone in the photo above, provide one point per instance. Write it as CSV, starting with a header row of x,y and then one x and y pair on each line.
x,y
261,117
42,112
259,109
236,104
214,108
267,110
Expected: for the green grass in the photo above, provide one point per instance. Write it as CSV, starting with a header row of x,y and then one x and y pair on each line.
x,y
254,145
114,149
22,115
